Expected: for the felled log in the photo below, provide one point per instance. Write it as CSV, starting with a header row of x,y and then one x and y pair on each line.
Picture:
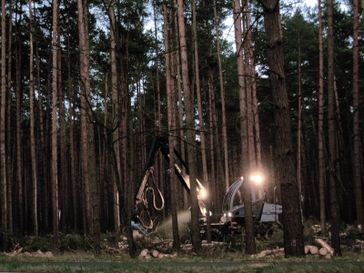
x,y
314,250
143,253
325,245
155,253
310,249
323,251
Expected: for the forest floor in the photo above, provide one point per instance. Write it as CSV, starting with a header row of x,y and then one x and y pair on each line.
x,y
76,253
228,262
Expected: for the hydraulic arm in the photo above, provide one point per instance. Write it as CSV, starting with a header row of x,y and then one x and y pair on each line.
x,y
149,199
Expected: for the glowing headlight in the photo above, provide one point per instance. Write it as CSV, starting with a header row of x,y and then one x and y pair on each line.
x,y
229,214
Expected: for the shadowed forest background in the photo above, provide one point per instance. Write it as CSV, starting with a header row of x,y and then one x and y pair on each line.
x,y
87,85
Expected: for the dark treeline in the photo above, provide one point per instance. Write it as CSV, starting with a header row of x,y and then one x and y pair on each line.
x,y
87,85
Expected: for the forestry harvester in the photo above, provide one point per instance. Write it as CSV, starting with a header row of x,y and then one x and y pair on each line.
x,y
149,200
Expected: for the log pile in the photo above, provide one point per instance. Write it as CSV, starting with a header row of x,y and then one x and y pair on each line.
x,y
322,249
154,254
271,253
20,252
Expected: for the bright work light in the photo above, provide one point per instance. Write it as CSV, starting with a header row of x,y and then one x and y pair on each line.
x,y
257,178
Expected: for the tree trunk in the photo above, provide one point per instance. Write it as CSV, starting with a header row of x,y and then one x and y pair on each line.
x,y
55,85
200,113
285,169
245,159
32,126
3,183
299,121
85,91
333,162
18,137
115,111
9,140
171,108
222,96
356,120
190,126
321,137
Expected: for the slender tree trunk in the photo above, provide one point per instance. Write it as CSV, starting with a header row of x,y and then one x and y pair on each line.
x,y
334,205
321,150
157,101
222,96
32,126
9,142
115,111
356,120
18,137
254,124
190,125
286,173
245,158
171,105
3,188
85,91
200,113
299,122
55,85
212,174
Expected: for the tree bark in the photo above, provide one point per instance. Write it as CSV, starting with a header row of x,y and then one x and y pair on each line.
x,y
321,103
3,182
222,96
356,120
299,121
85,92
171,108
333,162
32,126
245,156
190,126
18,136
55,85
285,169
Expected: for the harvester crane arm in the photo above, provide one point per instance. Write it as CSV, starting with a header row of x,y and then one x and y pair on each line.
x,y
143,219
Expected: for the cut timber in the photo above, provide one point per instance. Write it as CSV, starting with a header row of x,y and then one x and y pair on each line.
x,y
325,245
310,249
155,253
323,251
307,249
314,250
143,253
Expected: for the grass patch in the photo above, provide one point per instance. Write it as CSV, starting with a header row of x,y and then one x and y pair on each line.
x,y
83,262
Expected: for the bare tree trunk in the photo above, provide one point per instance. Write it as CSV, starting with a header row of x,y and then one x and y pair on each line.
x,y
32,126
55,85
254,124
9,142
222,96
356,120
299,125
115,111
321,150
245,158
334,205
3,189
190,125
85,91
18,137
171,105
157,101
200,113
286,173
